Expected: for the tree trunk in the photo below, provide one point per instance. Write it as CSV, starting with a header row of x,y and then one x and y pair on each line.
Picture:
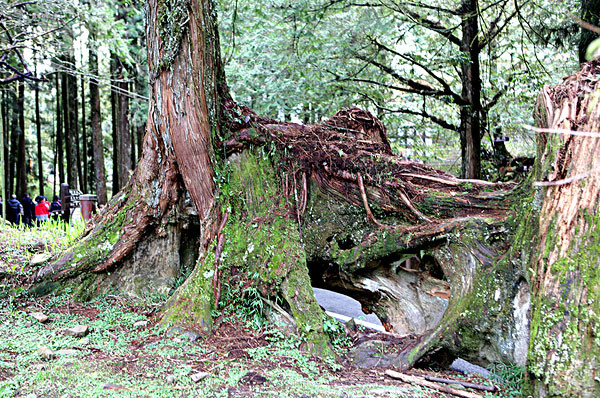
x,y
564,355
38,130
70,129
59,155
278,203
74,131
114,107
96,118
3,156
123,129
5,145
470,115
84,142
21,161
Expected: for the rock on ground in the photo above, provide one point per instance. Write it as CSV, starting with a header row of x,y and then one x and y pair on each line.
x,y
78,331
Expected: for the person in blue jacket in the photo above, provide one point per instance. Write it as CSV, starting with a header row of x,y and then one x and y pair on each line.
x,y
14,210
28,210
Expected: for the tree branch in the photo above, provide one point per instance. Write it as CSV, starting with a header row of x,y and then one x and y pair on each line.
x,y
495,30
440,122
447,89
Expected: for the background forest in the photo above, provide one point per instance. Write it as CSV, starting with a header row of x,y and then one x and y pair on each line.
x,y
73,77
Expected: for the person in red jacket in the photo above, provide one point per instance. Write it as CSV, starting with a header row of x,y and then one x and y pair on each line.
x,y
42,210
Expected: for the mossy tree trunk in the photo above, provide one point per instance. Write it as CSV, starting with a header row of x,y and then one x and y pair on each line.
x,y
270,205
564,353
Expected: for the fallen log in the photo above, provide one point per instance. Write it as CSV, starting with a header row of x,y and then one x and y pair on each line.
x,y
424,383
466,384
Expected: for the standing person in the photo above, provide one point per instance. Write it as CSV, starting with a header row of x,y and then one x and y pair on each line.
x,y
42,210
55,208
14,210
28,210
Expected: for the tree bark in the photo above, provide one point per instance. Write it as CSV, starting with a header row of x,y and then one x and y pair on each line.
x,y
74,130
278,203
3,156
71,130
38,130
59,155
565,350
123,129
5,144
114,107
21,187
84,142
96,119
470,114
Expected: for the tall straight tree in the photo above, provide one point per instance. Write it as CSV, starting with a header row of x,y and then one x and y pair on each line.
x,y
123,128
3,157
5,141
70,152
96,119
14,142
74,128
38,133
21,186
114,108
84,141
59,154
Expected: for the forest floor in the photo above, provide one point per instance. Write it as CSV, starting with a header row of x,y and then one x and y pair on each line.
x,y
125,353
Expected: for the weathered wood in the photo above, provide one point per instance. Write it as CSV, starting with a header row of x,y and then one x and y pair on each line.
x,y
564,350
462,383
422,382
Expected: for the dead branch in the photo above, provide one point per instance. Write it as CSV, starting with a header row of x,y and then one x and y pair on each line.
x,y
474,386
422,382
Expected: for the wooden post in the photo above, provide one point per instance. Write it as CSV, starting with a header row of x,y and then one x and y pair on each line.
x,y
3,183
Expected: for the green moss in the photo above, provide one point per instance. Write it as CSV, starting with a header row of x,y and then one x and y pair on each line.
x,y
263,253
564,348
192,304
173,18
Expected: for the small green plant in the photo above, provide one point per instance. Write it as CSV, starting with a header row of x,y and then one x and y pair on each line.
x,y
512,376
337,335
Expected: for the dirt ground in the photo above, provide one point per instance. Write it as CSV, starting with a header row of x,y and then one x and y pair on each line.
x,y
126,353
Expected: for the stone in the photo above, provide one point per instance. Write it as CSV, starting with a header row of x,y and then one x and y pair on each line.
x,y
38,316
374,353
196,377
78,331
84,341
462,366
67,352
191,336
46,352
39,259
253,378
140,324
174,331
170,379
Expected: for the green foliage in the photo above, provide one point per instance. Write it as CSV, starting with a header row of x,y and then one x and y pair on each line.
x,y
307,59
18,244
337,334
512,377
